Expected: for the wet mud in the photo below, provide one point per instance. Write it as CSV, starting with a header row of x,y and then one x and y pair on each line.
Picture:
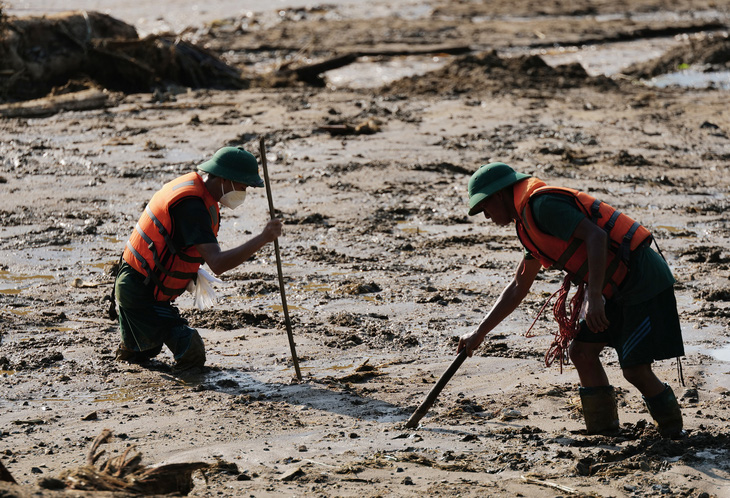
x,y
383,269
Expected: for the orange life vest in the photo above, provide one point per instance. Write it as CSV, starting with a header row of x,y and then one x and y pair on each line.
x,y
150,249
624,234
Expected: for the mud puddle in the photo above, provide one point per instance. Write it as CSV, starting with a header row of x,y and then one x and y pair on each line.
x,y
369,72
15,283
693,78
607,59
722,354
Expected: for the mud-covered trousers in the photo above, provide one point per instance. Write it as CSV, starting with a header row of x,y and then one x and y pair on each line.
x,y
145,325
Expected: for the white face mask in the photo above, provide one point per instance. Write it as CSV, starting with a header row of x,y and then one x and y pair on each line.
x,y
232,199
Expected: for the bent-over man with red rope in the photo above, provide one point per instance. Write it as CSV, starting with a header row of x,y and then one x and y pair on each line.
x,y
625,290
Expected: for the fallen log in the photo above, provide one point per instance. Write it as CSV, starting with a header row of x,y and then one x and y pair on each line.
x,y
368,127
158,61
312,73
92,98
636,34
424,50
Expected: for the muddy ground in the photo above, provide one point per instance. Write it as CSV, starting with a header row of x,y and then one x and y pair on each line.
x,y
383,268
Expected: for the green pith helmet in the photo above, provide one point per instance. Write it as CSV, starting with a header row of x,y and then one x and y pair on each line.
x,y
488,180
234,163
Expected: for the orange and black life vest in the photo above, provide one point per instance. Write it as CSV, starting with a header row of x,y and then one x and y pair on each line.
x,y
150,249
624,234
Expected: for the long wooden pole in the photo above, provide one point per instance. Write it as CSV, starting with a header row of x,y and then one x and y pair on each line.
x,y
262,150
436,390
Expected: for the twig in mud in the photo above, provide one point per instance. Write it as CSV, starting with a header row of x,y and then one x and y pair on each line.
x,y
102,321
102,438
319,463
532,480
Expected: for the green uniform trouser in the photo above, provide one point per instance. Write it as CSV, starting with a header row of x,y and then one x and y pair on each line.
x,y
146,324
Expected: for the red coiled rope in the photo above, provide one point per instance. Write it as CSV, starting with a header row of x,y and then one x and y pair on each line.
x,y
567,323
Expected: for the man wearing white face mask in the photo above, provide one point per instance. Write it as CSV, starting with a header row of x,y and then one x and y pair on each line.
x,y
176,233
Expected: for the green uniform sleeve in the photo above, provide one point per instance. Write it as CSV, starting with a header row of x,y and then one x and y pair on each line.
x,y
556,215
191,223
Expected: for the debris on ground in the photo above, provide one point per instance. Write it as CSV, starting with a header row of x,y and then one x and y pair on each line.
x,y
40,53
126,473
368,127
708,51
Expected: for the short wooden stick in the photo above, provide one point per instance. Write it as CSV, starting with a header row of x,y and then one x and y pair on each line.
x,y
431,398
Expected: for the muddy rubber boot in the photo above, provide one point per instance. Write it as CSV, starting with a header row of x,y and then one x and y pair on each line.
x,y
664,409
130,356
193,357
599,409
124,354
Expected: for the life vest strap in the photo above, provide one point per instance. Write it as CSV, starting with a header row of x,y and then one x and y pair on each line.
x,y
153,276
596,210
611,221
581,273
161,229
611,270
156,257
568,253
142,261
168,240
174,274
625,248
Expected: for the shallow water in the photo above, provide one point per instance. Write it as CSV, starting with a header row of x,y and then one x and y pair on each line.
x,y
14,283
373,73
704,15
722,354
693,78
610,58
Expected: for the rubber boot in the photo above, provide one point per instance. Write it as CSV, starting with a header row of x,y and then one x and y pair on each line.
x,y
131,356
664,409
192,357
599,409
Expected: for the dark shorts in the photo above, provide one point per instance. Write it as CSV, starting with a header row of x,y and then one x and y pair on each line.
x,y
641,333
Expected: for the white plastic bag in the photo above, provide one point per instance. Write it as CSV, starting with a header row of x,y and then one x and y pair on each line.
x,y
205,296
